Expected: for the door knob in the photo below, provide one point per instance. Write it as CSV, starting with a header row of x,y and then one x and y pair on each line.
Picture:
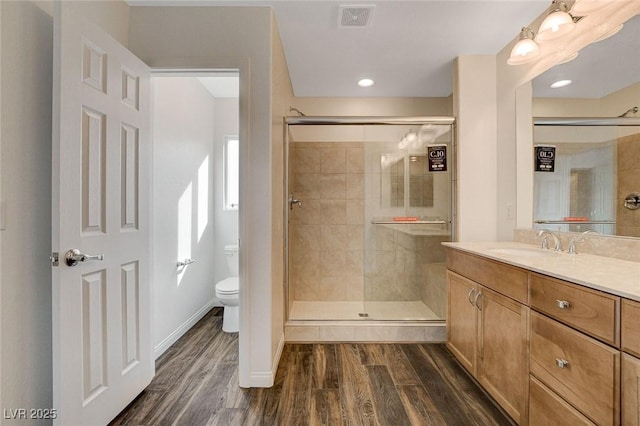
x,y
73,256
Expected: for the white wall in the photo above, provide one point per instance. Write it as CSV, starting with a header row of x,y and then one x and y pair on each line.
x,y
183,220
226,221
477,152
281,96
25,127
187,37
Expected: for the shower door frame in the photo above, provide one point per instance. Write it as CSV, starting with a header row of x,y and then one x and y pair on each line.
x,y
361,121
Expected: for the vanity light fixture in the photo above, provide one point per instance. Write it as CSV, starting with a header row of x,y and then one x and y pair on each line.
x,y
560,83
525,50
366,82
568,58
558,23
606,33
585,7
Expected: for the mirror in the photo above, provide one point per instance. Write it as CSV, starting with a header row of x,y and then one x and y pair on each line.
x,y
595,160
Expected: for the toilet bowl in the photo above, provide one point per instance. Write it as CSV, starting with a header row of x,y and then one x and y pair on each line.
x,y
228,290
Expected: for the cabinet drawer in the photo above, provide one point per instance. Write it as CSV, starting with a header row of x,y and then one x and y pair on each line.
x,y
547,408
589,380
630,327
508,280
630,394
591,311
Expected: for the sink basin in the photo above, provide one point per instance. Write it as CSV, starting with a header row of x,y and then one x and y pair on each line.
x,y
524,252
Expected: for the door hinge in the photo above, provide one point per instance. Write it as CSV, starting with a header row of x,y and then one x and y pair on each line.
x,y
54,258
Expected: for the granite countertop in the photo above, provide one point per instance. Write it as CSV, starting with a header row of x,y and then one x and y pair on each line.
x,y
614,276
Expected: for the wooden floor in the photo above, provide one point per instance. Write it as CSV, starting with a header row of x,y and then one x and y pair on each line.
x,y
196,383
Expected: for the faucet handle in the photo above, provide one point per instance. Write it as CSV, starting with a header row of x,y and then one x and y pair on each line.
x,y
580,239
545,243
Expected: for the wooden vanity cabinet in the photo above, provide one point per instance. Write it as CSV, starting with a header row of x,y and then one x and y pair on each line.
x,y
579,369
502,351
547,408
488,331
590,311
546,350
630,338
462,330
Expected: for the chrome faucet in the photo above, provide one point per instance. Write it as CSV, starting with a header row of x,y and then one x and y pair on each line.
x,y
557,246
580,239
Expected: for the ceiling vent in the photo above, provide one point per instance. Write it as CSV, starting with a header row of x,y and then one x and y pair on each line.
x,y
358,16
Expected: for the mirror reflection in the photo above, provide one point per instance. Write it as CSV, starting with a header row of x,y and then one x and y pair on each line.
x,y
597,165
595,169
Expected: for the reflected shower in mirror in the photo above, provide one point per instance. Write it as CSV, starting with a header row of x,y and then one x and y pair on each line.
x,y
596,168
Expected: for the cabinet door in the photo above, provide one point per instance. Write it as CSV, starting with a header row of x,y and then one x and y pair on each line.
x,y
461,320
503,369
547,408
630,393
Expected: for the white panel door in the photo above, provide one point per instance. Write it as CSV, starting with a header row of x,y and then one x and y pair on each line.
x,y
102,354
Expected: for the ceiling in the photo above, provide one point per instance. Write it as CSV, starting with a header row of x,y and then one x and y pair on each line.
x,y
221,85
408,46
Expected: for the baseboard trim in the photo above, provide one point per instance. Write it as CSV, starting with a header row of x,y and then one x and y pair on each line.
x,y
161,347
266,379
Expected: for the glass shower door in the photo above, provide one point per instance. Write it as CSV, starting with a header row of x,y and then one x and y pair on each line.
x,y
408,217
365,221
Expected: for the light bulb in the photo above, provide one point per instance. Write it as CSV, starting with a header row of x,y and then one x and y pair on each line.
x,y
366,82
525,50
560,83
556,24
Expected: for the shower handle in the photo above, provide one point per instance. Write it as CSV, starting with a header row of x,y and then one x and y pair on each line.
x,y
293,200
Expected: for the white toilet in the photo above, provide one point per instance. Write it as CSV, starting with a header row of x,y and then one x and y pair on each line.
x,y
228,290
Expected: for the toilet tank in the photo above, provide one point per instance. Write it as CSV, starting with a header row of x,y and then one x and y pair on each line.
x,y
231,255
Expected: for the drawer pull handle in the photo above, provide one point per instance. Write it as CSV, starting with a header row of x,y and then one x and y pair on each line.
x,y
475,300
470,294
562,363
563,304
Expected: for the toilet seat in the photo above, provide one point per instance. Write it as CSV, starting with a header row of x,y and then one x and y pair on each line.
x,y
227,292
228,286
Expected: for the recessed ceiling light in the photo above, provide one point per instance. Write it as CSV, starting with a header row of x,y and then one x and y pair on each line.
x,y
560,83
366,82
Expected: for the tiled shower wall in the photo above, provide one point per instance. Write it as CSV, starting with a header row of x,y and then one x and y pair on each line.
x,y
326,235
628,221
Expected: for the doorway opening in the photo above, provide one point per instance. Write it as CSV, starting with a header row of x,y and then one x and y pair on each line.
x,y
195,193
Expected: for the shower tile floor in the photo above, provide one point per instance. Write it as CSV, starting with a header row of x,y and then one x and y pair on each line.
x,y
381,311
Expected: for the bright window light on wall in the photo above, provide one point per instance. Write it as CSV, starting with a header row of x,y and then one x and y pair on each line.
x,y
231,172
203,197
185,213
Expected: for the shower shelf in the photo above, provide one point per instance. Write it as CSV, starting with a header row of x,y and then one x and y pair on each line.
x,y
413,228
575,222
409,222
